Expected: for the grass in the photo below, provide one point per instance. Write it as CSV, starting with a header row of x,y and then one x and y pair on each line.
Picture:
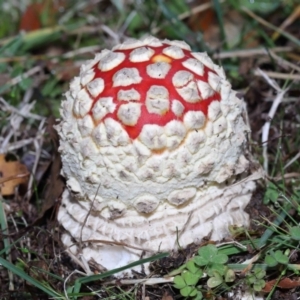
x,y
261,59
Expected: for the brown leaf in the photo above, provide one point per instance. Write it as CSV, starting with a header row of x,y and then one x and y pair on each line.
x,y
206,21
12,174
55,184
64,70
285,283
167,296
38,15
203,21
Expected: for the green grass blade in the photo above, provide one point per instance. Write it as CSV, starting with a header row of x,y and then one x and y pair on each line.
x,y
29,279
114,271
219,13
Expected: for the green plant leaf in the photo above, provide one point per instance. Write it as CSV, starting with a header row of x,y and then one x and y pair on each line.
x,y
251,279
42,286
185,292
229,276
199,296
259,273
261,6
190,265
259,285
295,233
215,280
189,278
200,261
220,258
281,258
179,282
26,83
221,269
193,293
271,193
271,261
208,251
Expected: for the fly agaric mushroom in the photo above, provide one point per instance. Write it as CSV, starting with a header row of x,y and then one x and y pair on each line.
x,y
153,143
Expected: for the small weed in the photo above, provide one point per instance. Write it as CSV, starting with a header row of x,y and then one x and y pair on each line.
x,y
208,263
276,258
187,281
255,279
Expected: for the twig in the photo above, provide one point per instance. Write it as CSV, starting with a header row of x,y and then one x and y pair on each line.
x,y
250,52
5,179
297,156
284,63
21,77
271,26
277,75
271,114
38,143
19,144
111,33
25,113
146,281
286,176
287,22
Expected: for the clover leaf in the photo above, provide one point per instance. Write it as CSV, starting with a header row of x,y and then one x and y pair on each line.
x,y
215,280
254,279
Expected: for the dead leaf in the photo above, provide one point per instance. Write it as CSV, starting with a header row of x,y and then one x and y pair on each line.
x,y
64,70
55,183
203,20
38,15
12,174
167,296
285,283
206,21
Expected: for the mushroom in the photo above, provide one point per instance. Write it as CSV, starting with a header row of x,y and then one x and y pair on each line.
x,y
153,142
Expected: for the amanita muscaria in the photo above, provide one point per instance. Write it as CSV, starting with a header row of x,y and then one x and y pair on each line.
x,y
154,149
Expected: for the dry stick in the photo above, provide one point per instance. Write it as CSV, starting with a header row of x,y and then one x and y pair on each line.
x,y
52,58
271,26
287,176
271,114
250,52
38,143
287,22
278,75
111,33
85,263
15,121
82,50
107,242
21,77
2,180
292,160
25,113
147,281
283,62
20,144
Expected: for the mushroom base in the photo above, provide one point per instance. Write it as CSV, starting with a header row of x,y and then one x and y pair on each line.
x,y
209,214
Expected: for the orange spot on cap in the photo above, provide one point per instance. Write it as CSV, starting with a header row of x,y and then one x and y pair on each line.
x,y
161,58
